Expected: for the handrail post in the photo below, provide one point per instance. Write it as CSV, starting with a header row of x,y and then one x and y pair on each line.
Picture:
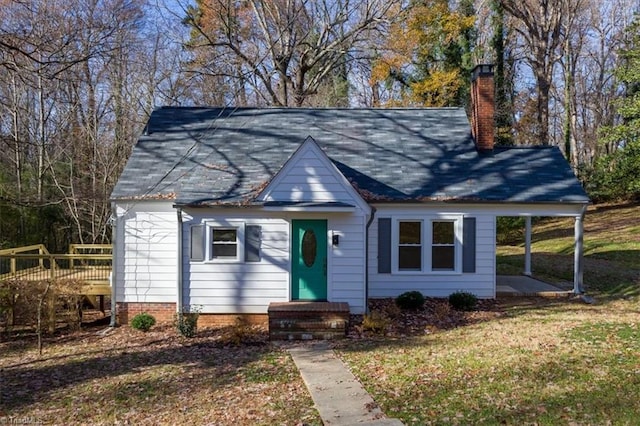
x,y
52,266
13,264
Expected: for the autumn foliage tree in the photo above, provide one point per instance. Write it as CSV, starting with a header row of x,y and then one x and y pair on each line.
x,y
426,58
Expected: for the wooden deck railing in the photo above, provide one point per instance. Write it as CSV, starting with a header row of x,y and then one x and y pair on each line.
x,y
87,263
84,271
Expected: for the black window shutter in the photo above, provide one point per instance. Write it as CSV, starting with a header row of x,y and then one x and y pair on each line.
x,y
469,245
197,243
252,243
384,245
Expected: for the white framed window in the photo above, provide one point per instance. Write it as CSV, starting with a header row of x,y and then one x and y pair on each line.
x,y
224,243
230,241
427,245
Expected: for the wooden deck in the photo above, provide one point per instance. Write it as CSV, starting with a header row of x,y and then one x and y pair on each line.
x,y
88,264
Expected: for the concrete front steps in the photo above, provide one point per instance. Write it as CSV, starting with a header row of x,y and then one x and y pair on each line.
x,y
308,320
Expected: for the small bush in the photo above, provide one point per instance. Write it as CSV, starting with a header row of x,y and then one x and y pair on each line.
x,y
509,230
375,321
143,321
410,300
463,300
187,322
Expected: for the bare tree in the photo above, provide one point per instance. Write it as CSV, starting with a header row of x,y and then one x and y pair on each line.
x,y
543,26
282,50
77,81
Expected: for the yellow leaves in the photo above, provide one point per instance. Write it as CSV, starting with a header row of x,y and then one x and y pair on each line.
x,y
436,90
415,56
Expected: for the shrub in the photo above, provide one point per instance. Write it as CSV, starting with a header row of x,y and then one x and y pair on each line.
x,y
410,300
187,322
143,321
510,229
463,300
375,321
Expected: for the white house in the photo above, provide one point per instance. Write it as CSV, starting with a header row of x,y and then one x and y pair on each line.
x,y
231,209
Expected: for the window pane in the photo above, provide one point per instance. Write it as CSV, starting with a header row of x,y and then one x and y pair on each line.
x,y
443,233
309,247
410,258
410,232
443,258
224,250
227,235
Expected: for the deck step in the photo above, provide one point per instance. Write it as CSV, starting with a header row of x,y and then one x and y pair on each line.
x,y
308,320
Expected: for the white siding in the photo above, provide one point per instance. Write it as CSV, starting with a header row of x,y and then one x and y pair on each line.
x,y
346,266
481,283
146,249
238,287
249,287
311,177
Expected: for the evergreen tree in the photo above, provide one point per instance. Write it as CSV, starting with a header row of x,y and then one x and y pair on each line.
x,y
617,174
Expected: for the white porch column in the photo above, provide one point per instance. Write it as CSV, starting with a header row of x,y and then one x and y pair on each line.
x,y
578,254
527,246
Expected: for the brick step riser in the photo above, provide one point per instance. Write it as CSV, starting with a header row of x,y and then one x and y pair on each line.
x,y
304,335
307,324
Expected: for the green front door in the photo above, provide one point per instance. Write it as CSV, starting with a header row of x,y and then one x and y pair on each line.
x,y
309,260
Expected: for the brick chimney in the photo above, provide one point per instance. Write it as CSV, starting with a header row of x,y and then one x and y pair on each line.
x,y
482,107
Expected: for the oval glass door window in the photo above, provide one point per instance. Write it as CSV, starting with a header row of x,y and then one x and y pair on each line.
x,y
309,247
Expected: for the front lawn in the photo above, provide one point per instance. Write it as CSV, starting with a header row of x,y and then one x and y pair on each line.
x,y
130,377
540,362
526,361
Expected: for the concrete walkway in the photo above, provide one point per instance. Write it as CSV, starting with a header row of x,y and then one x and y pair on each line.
x,y
522,285
339,397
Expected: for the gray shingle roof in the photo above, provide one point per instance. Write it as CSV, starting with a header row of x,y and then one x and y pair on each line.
x,y
195,155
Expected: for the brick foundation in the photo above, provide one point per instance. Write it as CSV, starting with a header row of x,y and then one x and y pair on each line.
x,y
164,313
221,320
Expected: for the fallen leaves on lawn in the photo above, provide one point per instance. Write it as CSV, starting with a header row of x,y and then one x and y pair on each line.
x,y
158,377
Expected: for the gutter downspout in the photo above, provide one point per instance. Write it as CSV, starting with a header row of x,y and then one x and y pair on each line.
x,y
114,263
179,277
366,260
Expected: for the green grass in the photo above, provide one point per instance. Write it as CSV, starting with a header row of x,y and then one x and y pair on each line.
x,y
546,363
541,361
